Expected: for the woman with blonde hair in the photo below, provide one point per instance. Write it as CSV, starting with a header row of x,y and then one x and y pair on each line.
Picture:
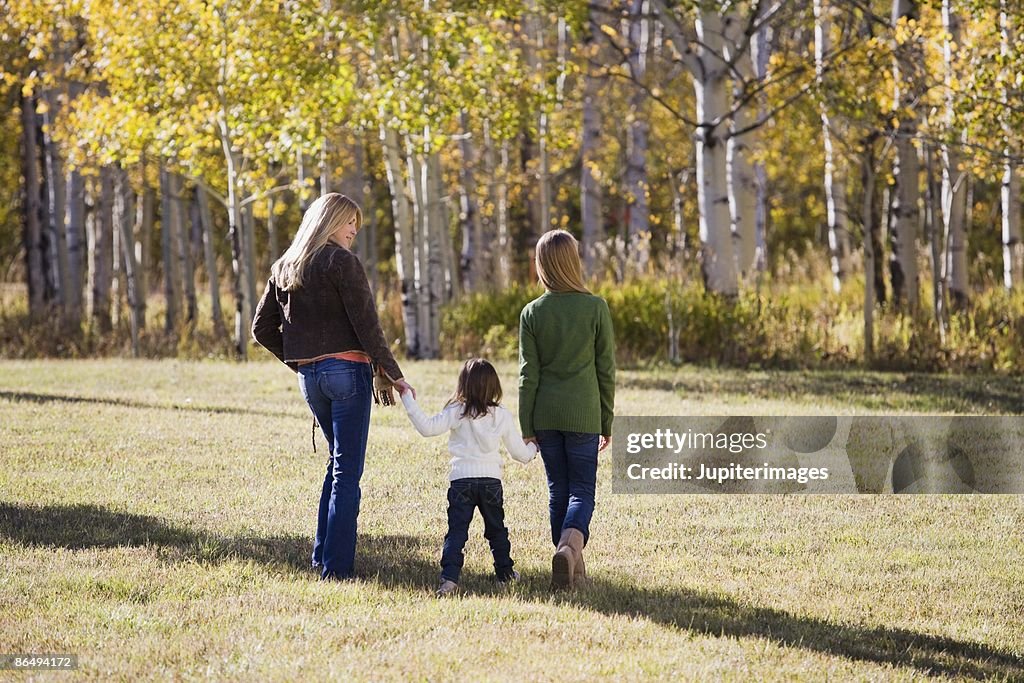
x,y
566,394
318,317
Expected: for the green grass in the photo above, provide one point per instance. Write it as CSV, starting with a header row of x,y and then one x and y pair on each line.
x,y
155,519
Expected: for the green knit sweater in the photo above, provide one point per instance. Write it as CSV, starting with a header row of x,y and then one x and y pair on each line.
x,y
566,364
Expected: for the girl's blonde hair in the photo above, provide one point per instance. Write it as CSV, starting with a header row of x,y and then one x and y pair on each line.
x,y
558,262
323,217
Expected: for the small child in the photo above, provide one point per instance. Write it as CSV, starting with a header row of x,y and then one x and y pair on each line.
x,y
477,424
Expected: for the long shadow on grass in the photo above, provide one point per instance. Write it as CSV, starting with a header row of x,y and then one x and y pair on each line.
x,y
399,562
983,394
30,397
715,616
389,559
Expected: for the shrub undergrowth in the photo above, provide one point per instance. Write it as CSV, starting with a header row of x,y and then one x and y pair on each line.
x,y
796,323
779,325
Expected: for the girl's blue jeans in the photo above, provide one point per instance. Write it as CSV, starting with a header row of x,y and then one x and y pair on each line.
x,y
464,496
570,460
339,392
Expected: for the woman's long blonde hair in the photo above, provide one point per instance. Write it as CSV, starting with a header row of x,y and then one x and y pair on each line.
x,y
558,262
323,217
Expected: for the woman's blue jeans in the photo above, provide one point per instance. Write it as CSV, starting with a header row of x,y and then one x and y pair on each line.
x,y
570,460
339,392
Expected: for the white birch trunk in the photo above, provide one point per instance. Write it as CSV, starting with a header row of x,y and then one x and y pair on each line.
x,y
954,177
442,285
118,286
58,282
718,258
533,47
126,240
835,169
186,264
906,170
273,245
300,178
210,258
240,265
430,248
675,244
249,241
401,210
1013,245
869,221
168,227
470,261
934,236
637,188
700,47
74,238
74,231
741,178
144,210
421,247
503,255
100,252
590,185
490,219
762,49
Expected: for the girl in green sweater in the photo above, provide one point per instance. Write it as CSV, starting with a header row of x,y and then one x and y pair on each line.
x,y
566,394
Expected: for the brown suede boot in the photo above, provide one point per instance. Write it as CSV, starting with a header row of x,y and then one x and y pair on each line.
x,y
580,572
566,558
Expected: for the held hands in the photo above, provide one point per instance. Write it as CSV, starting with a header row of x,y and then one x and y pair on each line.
x,y
403,387
383,388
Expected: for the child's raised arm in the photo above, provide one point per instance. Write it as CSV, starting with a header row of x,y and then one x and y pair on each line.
x,y
428,426
513,440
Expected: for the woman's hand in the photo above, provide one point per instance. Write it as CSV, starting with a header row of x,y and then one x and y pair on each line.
x,y
403,387
603,443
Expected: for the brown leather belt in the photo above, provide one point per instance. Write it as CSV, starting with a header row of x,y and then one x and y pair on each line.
x,y
356,356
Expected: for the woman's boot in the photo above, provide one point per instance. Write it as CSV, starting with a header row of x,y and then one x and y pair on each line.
x,y
566,558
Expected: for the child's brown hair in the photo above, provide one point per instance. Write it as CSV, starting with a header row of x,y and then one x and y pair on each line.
x,y
479,388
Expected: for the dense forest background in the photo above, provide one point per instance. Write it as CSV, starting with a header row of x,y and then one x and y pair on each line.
x,y
758,183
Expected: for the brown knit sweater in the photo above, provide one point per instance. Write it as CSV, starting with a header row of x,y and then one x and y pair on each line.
x,y
333,311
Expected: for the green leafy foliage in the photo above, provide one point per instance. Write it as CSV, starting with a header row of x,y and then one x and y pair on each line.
x,y
787,325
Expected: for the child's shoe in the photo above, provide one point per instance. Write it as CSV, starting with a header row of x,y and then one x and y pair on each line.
x,y
447,588
513,577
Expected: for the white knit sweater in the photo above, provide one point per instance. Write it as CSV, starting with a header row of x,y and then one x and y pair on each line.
x,y
473,444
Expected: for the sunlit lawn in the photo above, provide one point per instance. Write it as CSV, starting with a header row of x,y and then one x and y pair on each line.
x,y
155,519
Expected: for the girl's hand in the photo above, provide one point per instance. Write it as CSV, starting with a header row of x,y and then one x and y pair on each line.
x,y
403,387
603,443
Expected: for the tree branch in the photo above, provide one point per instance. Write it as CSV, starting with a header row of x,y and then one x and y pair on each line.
x,y
267,193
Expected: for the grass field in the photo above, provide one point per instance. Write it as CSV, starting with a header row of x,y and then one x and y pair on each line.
x,y
155,519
